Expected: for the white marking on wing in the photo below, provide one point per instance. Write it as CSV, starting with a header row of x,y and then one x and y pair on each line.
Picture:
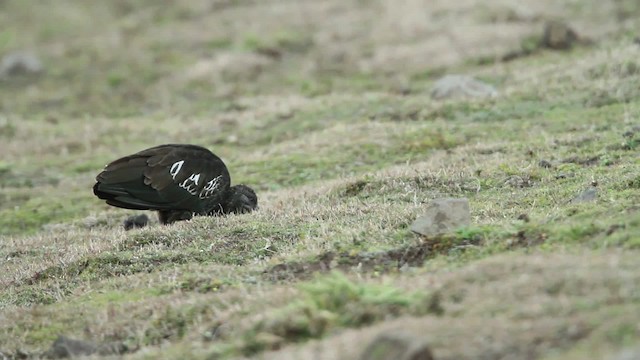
x,y
195,178
175,168
211,187
191,184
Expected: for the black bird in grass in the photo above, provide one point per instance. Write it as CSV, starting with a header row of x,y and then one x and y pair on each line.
x,y
177,180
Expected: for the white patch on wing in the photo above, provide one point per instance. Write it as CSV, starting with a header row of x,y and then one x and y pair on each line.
x,y
191,184
175,168
211,187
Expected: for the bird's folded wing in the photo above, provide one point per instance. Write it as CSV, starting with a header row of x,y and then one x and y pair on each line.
x,y
163,178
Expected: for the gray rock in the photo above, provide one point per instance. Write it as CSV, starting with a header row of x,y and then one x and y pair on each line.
x,y
588,195
64,347
113,348
518,182
628,354
461,86
545,164
443,216
558,35
396,346
135,221
20,64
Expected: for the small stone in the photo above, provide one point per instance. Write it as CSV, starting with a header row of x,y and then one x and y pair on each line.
x,y
21,354
518,182
443,216
588,195
90,222
400,85
64,347
268,340
628,354
216,332
396,346
613,228
20,64
113,348
232,139
135,221
229,65
545,164
558,36
461,86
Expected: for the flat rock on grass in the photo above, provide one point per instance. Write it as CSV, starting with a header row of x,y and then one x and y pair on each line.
x,y
628,354
396,346
588,195
558,36
19,63
64,347
135,222
443,216
461,86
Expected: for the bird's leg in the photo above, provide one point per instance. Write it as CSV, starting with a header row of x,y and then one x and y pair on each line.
x,y
170,216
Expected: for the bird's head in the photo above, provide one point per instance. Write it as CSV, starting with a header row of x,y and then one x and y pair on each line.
x,y
242,199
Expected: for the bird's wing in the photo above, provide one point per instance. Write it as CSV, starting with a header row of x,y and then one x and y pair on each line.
x,y
164,177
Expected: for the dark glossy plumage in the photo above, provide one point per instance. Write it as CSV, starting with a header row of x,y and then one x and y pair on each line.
x,y
177,180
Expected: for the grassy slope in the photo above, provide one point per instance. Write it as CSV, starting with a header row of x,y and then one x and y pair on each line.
x,y
343,162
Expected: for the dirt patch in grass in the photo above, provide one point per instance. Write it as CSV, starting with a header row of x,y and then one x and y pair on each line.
x,y
498,309
382,261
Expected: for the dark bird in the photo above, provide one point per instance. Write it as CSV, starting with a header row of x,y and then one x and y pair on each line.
x,y
177,180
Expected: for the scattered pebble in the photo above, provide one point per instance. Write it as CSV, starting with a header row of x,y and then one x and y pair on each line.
x,y
21,354
518,182
588,195
461,86
135,221
400,85
628,354
64,347
90,222
558,36
613,228
443,216
545,164
270,341
19,64
229,65
232,139
628,134
399,346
